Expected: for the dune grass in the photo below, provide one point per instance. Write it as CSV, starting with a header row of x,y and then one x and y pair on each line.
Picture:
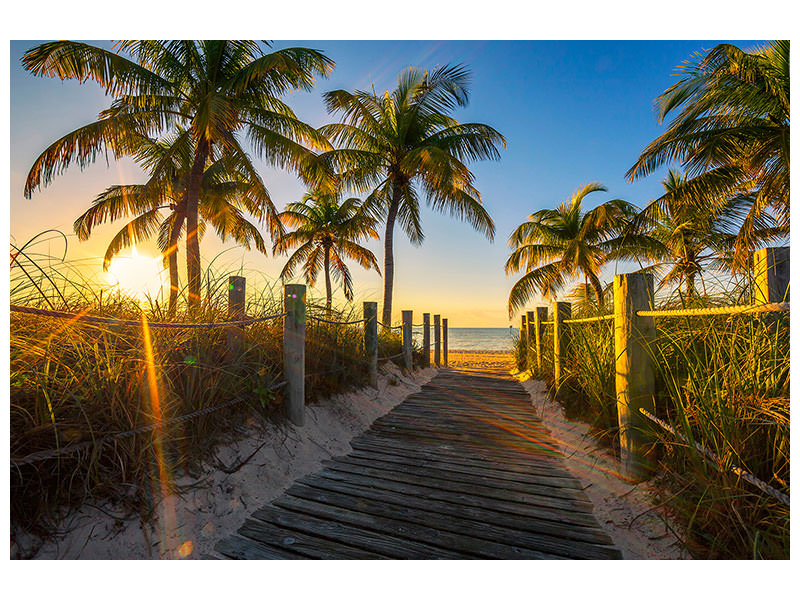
x,y
74,382
722,381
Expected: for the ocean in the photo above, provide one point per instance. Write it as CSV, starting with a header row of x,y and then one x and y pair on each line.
x,y
475,338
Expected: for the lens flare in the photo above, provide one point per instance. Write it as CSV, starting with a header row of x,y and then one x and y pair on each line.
x,y
137,275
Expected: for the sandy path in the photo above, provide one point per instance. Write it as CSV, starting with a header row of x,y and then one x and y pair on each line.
x,y
188,526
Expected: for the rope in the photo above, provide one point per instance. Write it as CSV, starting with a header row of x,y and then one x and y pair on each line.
x,y
590,319
389,326
321,320
722,310
45,454
391,357
748,477
112,321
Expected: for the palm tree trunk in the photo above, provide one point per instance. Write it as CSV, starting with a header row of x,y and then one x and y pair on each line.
x,y
192,217
598,290
172,259
328,291
388,255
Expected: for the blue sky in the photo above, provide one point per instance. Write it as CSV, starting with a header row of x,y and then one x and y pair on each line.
x,y
572,112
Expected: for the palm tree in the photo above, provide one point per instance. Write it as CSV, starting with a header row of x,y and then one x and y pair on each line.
x,y
555,245
227,191
215,89
689,237
326,233
731,134
404,144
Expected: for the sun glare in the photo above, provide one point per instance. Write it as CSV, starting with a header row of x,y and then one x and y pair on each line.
x,y
138,275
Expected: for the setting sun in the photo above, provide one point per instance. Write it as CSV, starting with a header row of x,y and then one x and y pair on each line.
x,y
139,275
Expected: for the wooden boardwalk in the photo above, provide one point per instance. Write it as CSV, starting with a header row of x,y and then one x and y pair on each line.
x,y
462,469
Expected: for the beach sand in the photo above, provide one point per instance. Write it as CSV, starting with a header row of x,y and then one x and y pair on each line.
x,y
480,360
215,506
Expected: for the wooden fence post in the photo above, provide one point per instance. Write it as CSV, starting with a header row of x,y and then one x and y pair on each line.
x,y
407,338
371,340
635,382
561,311
530,336
426,339
523,340
444,342
236,289
539,317
771,266
294,351
437,340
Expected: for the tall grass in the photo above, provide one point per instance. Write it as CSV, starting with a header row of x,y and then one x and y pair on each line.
x,y
73,382
722,381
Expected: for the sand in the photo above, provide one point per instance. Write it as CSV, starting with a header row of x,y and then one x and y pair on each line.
x,y
481,360
189,525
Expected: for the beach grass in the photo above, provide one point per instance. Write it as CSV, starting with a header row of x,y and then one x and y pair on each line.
x,y
74,383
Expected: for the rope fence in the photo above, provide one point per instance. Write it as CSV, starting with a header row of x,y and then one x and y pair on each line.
x,y
719,310
709,455
587,319
127,322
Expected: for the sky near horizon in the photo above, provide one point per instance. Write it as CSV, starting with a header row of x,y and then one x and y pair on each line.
x,y
572,112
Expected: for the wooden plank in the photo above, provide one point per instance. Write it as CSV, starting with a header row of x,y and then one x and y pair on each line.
x,y
490,424
248,549
415,530
483,470
305,542
331,503
467,441
476,489
447,503
356,537
575,515
461,477
538,463
499,471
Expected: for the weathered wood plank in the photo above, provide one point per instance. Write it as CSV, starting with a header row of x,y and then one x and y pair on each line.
x,y
385,522
305,542
547,543
476,489
356,537
576,515
241,548
483,470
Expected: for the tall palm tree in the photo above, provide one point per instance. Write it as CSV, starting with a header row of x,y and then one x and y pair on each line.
x,y
688,237
227,192
556,245
404,144
731,134
327,232
216,90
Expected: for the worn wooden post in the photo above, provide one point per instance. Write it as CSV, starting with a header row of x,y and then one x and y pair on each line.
x,y
523,340
437,340
530,336
426,339
236,289
539,317
444,342
407,338
294,351
635,380
371,340
561,311
771,266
